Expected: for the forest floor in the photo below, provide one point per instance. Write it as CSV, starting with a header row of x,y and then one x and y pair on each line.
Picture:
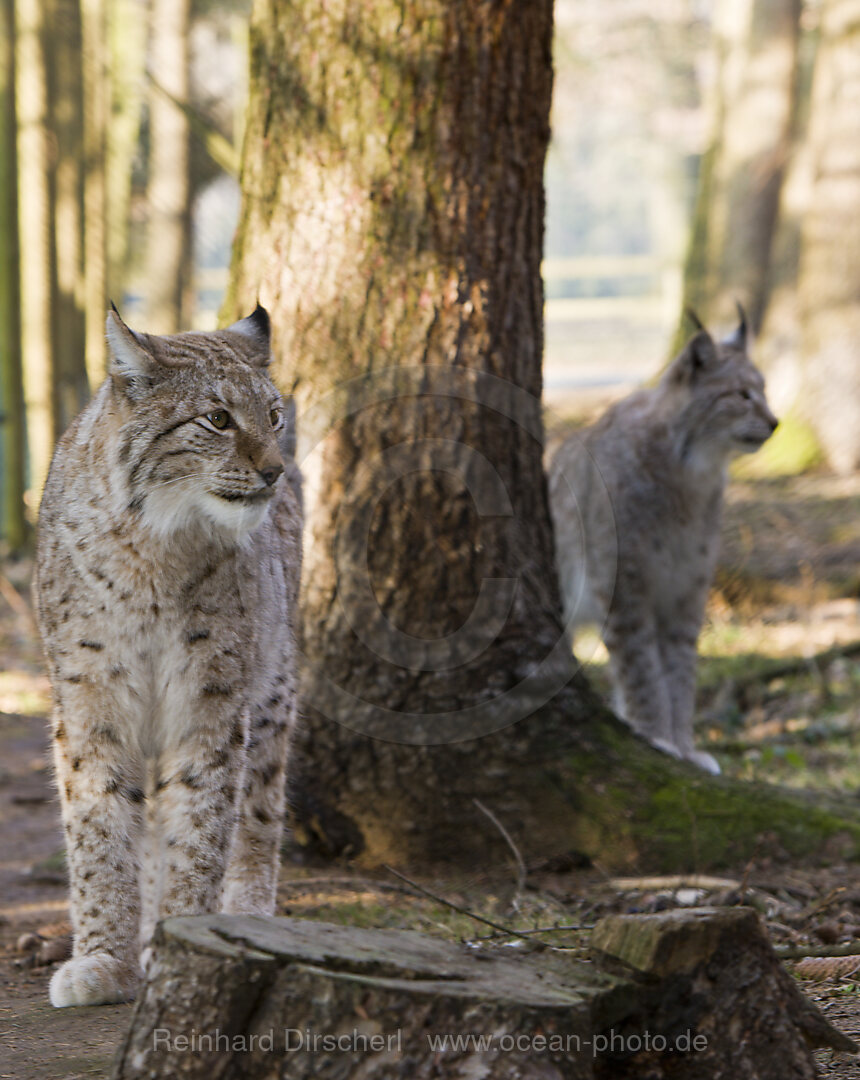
x,y
779,700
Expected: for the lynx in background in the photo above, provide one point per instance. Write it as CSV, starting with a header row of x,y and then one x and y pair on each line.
x,y
636,502
167,570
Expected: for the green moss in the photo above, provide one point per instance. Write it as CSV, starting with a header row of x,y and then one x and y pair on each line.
x,y
642,809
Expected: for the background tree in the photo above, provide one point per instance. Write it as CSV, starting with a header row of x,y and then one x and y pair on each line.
x,y
392,223
11,394
37,252
127,27
64,50
168,234
742,171
96,94
829,273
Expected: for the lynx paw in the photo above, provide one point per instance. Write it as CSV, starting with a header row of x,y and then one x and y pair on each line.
x,y
704,761
96,979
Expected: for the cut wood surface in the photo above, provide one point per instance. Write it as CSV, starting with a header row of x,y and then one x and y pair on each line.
x,y
687,994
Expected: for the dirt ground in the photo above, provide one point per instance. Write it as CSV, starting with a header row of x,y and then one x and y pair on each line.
x,y
779,699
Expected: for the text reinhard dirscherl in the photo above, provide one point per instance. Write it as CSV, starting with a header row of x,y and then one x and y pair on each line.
x,y
295,1040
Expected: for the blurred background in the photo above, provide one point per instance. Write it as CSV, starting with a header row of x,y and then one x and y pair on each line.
x,y
693,141
704,152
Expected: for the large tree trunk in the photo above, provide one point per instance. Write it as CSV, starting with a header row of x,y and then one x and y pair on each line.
x,y
392,224
394,204
829,268
11,393
742,171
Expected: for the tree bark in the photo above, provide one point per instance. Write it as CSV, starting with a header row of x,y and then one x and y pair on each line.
x,y
742,171
14,525
66,180
95,101
249,997
37,253
168,189
829,277
126,29
392,224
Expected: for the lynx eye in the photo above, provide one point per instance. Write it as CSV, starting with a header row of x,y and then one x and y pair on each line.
x,y
275,417
746,395
220,419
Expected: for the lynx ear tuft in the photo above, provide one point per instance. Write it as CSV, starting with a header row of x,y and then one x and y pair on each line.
x,y
699,354
738,337
258,327
132,366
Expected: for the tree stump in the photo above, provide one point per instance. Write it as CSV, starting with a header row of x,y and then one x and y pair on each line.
x,y
692,994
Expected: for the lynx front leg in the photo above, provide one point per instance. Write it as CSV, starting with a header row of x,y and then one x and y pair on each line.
x,y
679,662
252,874
639,681
101,801
197,799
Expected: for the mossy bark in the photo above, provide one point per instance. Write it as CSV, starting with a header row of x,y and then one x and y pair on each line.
x,y
392,224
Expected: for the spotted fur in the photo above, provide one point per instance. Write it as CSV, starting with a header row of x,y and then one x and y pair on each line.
x,y
166,579
636,503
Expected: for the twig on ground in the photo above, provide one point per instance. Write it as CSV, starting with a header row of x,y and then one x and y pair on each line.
x,y
673,882
794,664
537,930
521,866
507,930
797,952
824,902
302,884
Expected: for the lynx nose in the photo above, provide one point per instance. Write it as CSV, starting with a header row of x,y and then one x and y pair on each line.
x,y
271,473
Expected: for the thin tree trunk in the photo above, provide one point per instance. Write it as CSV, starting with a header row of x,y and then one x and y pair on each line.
x,y
11,393
65,84
742,171
168,191
392,223
96,89
829,279
37,250
127,28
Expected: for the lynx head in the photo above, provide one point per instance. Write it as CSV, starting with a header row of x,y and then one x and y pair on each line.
x,y
719,394
203,430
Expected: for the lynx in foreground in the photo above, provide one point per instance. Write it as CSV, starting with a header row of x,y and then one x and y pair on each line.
x,y
636,503
166,576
